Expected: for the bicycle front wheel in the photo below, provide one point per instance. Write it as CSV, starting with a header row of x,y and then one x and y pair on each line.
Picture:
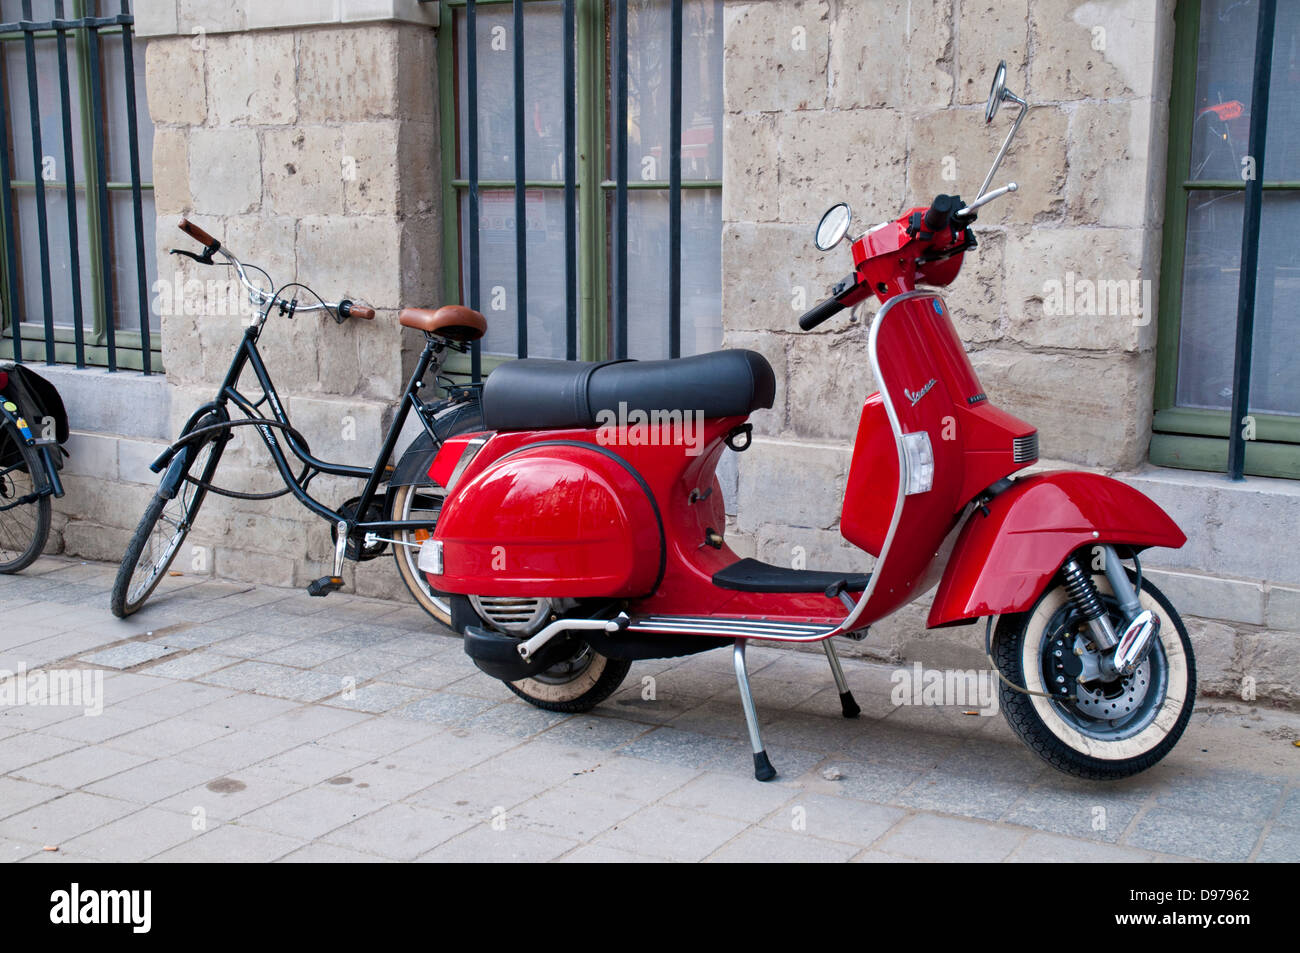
x,y
24,511
162,530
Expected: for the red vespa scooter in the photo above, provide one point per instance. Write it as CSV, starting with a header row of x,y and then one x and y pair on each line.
x,y
583,530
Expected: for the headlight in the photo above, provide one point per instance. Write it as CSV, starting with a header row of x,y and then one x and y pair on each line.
x,y
918,456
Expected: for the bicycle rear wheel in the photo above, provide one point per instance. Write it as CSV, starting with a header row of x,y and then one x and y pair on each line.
x,y
162,530
24,514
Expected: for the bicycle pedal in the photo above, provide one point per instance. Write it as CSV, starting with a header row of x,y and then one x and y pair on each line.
x,y
325,585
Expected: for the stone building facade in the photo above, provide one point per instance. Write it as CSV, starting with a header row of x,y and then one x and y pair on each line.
x,y
878,103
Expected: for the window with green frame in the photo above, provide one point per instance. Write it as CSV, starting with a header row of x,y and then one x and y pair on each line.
x,y
1208,165
120,303
649,33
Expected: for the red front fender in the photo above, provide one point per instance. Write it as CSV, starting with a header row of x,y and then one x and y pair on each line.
x,y
1003,561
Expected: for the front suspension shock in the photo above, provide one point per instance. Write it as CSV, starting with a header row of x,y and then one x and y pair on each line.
x,y
1084,595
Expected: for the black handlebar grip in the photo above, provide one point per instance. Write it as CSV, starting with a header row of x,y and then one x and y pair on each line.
x,y
935,219
940,212
815,316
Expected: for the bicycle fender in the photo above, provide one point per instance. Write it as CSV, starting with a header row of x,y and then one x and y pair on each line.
x,y
171,481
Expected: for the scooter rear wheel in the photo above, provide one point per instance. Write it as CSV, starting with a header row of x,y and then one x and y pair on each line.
x,y
576,685
1108,731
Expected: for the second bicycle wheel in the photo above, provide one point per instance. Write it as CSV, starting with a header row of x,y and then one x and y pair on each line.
x,y
162,530
24,513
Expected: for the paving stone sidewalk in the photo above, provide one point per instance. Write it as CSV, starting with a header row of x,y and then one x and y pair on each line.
x,y
245,723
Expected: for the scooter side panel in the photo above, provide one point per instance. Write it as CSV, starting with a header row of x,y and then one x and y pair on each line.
x,y
1002,562
557,519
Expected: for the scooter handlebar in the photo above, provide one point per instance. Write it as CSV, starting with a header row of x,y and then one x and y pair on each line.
x,y
819,313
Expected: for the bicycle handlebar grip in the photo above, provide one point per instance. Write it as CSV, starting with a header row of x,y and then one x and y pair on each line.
x,y
350,309
819,313
196,233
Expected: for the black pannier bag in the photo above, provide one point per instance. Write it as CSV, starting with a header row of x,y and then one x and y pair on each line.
x,y
37,400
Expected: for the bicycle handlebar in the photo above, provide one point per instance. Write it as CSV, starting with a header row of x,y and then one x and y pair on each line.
x,y
198,234
344,308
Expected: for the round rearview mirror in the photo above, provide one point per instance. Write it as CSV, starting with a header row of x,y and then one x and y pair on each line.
x,y
833,227
996,92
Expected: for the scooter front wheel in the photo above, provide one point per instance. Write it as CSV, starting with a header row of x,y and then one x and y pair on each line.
x,y
1106,730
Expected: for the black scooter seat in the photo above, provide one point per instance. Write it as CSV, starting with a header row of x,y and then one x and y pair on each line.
x,y
556,395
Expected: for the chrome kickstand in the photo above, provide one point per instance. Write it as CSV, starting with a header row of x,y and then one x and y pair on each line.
x,y
763,769
847,705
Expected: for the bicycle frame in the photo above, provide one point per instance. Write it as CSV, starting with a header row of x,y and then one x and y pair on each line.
x,y
248,356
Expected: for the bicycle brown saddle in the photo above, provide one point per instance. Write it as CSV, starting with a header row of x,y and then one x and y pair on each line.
x,y
452,321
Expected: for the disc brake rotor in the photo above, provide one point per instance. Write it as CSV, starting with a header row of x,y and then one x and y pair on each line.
x,y
1107,701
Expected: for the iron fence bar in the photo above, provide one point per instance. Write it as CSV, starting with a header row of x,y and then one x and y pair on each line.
x,y
570,183
521,214
638,185
620,177
1254,205
101,179
137,202
675,187
471,97
7,209
42,224
74,250
53,26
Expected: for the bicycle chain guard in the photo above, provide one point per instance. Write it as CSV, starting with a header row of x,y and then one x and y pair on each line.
x,y
356,550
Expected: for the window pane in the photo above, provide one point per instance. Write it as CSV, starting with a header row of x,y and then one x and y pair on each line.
x,y
1224,80
543,93
1224,60
1282,153
126,291
1275,373
647,266
117,134
61,275
499,299
1211,272
1210,276
649,102
12,10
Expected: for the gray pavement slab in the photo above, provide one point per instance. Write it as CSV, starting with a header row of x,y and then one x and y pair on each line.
x,y
248,723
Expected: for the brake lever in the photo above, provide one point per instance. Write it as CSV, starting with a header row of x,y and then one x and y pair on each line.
x,y
204,259
968,212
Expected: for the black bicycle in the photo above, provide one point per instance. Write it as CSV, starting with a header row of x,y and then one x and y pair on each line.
x,y
33,426
398,505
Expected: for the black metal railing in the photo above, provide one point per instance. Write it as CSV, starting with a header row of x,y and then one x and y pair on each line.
x,y
618,263
1248,279
86,34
